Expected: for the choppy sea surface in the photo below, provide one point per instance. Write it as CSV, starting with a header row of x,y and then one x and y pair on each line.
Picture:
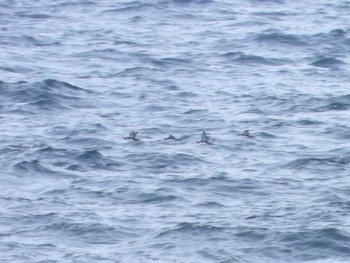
x,y
76,77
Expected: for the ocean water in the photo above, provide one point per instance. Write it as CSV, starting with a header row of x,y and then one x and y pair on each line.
x,y
77,76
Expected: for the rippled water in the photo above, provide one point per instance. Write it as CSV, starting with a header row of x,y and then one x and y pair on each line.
x,y
78,76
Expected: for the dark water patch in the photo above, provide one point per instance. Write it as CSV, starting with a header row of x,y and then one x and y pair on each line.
x,y
92,233
187,2
331,36
93,193
75,134
47,105
120,41
75,167
308,122
51,152
34,165
33,16
33,169
48,95
339,103
300,103
156,197
317,163
339,132
240,57
191,229
196,112
171,62
328,62
238,187
190,182
94,159
281,38
337,32
75,160
70,4
210,205
106,54
16,69
138,72
326,241
35,41
337,106
91,142
130,7
254,234
155,108
43,218
160,161
268,2
186,94
267,135
92,155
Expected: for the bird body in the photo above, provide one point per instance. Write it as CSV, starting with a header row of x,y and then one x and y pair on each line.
x,y
132,136
245,134
204,138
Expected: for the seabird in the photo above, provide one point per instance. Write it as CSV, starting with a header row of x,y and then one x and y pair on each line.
x,y
204,138
245,134
132,136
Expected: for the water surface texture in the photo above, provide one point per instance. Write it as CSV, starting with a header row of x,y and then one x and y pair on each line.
x,y
76,77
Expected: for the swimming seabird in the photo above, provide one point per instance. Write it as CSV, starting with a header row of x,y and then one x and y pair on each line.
x,y
171,137
132,136
204,138
245,134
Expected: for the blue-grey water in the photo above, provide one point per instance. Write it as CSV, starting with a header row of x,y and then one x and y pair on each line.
x,y
77,76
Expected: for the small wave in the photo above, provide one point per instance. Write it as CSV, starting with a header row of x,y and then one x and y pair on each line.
x,y
31,169
316,162
172,63
92,155
75,167
16,69
210,205
327,241
34,165
334,106
94,159
159,161
36,41
197,229
107,54
33,16
137,71
156,198
186,94
328,63
134,6
339,103
95,233
240,57
192,182
48,95
75,160
267,135
190,1
281,38
308,122
49,151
